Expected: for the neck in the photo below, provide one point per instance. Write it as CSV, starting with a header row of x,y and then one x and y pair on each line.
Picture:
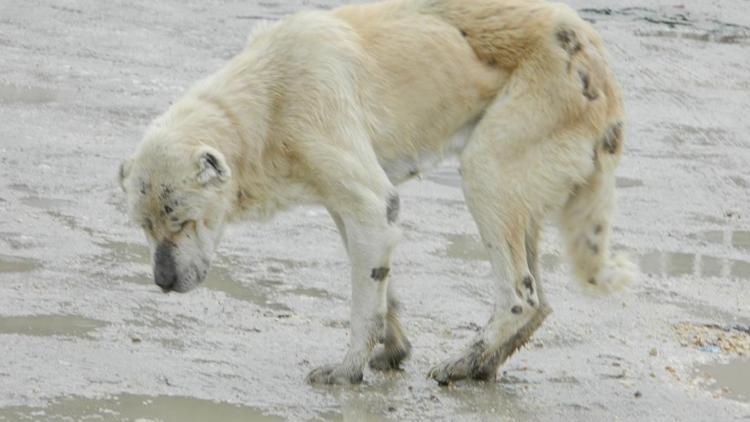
x,y
242,103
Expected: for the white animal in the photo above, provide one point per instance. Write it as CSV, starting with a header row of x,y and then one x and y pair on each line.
x,y
336,108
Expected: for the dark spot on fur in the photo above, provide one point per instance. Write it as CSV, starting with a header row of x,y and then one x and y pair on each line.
x,y
463,33
356,377
594,248
592,281
531,302
168,209
144,188
584,80
528,282
394,204
516,309
598,229
166,192
588,91
489,245
379,274
569,41
612,138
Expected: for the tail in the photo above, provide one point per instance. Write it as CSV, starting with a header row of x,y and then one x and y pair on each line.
x,y
586,223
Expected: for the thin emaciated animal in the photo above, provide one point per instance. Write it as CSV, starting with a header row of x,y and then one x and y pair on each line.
x,y
338,107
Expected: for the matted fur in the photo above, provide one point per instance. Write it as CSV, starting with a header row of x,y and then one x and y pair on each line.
x,y
336,108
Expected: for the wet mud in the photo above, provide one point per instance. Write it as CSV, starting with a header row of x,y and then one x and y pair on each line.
x,y
86,335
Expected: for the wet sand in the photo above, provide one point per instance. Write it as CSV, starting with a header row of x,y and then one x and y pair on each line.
x,y
84,333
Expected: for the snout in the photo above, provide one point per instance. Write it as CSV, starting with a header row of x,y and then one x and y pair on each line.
x,y
170,276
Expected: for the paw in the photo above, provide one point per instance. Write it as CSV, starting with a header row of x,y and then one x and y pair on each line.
x,y
449,371
384,361
471,364
390,358
334,375
387,361
615,276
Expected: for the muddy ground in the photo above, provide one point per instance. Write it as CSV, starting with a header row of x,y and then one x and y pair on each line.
x,y
85,333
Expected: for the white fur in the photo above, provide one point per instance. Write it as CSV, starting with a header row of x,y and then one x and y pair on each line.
x,y
334,108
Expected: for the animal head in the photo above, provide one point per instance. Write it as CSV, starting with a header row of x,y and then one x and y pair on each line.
x,y
178,193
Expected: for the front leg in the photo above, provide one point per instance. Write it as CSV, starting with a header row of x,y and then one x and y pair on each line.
x,y
369,243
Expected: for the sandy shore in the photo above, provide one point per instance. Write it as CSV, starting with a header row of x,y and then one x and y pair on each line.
x,y
83,331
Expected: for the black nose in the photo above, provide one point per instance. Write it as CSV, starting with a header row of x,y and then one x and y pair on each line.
x,y
165,270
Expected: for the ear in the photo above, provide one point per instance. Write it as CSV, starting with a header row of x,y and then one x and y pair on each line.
x,y
212,167
124,171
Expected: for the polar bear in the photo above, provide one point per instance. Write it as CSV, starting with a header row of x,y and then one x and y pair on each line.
x,y
337,108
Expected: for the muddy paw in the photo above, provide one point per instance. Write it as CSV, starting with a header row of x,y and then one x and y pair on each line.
x,y
384,361
449,371
334,374
389,359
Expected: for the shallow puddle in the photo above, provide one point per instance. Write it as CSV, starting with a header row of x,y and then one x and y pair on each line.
x,y
738,239
732,379
446,177
311,292
681,264
625,182
219,278
127,407
45,203
25,94
672,264
741,240
49,325
468,248
17,264
465,247
451,177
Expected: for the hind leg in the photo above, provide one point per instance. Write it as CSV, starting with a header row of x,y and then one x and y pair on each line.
x,y
516,169
585,223
507,214
519,308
